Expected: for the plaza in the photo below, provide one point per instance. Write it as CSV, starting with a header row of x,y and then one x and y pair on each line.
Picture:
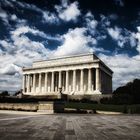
x,y
27,126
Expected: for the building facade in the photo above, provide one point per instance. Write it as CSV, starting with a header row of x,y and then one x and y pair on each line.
x,y
82,74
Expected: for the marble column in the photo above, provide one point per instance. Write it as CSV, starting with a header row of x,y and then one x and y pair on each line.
x,y
56,82
34,83
74,80
52,82
98,84
46,83
81,80
67,80
60,80
92,79
63,81
24,83
89,79
28,83
40,83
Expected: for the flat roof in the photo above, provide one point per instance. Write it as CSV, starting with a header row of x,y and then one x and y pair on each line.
x,y
62,57
76,55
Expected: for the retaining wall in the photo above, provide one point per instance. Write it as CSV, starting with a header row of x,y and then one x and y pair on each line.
x,y
19,106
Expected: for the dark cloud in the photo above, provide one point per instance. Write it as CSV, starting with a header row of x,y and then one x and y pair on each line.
x,y
119,2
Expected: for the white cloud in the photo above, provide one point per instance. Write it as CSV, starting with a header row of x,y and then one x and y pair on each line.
x,y
138,28
27,6
10,76
23,42
26,29
4,16
22,51
125,68
65,11
14,17
31,49
137,35
105,21
7,3
132,39
19,52
68,12
7,46
91,23
122,36
11,69
50,17
47,17
75,41
10,82
115,33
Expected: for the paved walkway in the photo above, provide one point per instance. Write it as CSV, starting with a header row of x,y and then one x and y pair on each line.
x,y
69,127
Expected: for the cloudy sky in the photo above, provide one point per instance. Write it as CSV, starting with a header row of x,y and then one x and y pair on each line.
x,y
39,29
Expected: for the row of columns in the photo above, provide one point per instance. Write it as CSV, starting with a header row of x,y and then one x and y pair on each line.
x,y
27,85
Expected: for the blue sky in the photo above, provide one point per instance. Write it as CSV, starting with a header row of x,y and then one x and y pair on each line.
x,y
37,30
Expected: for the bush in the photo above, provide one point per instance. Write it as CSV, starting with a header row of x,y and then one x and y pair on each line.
x,y
105,100
118,99
122,99
104,107
85,100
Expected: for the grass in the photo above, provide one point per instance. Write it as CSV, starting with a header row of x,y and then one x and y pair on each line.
x,y
105,107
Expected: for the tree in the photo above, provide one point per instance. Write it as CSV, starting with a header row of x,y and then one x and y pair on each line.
x,y
4,94
131,91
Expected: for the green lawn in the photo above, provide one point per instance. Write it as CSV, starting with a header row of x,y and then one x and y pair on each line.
x,y
104,107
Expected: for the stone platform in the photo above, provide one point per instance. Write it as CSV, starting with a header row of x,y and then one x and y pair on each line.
x,y
69,127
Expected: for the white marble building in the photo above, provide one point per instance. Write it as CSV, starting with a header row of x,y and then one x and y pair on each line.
x,y
82,74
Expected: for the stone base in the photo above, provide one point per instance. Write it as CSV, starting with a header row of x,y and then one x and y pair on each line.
x,y
88,92
97,92
93,97
51,107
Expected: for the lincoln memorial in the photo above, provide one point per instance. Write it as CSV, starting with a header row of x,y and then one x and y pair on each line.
x,y
83,74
